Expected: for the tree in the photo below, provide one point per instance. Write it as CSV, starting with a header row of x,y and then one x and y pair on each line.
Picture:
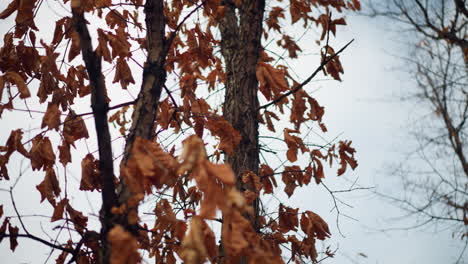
x,y
186,52
437,59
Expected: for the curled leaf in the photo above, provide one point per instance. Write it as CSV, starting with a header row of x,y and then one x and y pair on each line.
x,y
124,247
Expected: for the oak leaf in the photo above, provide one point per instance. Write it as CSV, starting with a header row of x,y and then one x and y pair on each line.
x,y
288,219
123,74
41,153
114,18
3,228
346,154
49,187
16,79
199,243
51,118
222,172
77,218
267,178
58,210
11,8
294,143
13,236
64,153
74,128
272,20
102,48
229,137
124,246
313,225
90,179
75,48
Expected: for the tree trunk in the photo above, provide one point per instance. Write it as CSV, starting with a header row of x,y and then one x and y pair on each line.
x,y
154,78
241,48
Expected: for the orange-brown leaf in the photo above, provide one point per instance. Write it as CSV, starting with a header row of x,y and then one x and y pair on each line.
x,y
11,8
149,166
114,18
41,153
102,48
123,74
229,138
78,219
288,219
3,228
222,172
64,153
294,143
90,180
346,154
313,225
194,246
16,79
49,187
268,179
58,210
124,246
13,236
25,16
51,118
74,128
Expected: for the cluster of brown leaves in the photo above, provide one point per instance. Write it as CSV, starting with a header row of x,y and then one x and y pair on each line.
x,y
207,188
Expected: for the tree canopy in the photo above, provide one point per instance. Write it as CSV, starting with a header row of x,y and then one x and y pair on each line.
x,y
181,93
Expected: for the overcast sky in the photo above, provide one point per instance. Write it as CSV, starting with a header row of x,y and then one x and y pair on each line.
x,y
363,108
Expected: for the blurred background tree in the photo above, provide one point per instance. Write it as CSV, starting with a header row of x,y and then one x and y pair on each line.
x,y
435,173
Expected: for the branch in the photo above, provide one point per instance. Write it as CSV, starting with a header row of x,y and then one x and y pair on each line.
x,y
181,23
45,242
100,108
297,88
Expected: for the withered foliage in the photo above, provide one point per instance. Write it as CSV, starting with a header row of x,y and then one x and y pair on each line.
x,y
180,44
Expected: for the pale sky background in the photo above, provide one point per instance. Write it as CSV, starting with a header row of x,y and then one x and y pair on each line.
x,y
363,108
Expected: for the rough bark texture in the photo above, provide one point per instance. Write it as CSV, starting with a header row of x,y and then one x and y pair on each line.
x,y
241,47
154,77
100,108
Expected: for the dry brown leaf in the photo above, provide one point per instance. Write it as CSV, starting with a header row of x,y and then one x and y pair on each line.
x,y
49,187
11,8
3,228
13,236
51,118
90,177
123,74
74,128
41,153
16,79
346,154
222,172
64,153
78,219
102,48
58,210
124,247
75,48
314,226
229,138
199,243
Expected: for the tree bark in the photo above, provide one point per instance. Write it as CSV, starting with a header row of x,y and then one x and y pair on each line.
x,y
154,78
241,48
100,108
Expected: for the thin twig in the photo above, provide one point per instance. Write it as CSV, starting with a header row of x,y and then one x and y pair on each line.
x,y
297,88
